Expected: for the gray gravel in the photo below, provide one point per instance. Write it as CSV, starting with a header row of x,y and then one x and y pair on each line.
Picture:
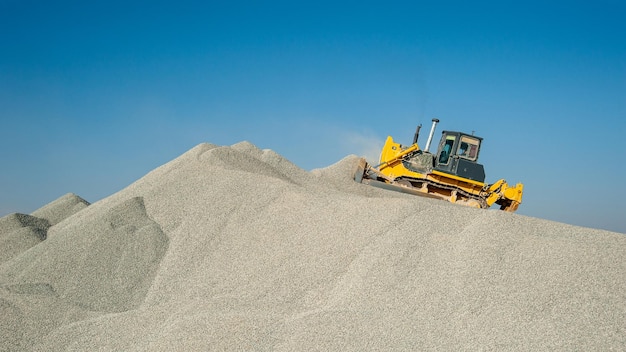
x,y
19,232
61,208
235,248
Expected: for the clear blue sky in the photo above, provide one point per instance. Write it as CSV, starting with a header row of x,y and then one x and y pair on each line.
x,y
95,94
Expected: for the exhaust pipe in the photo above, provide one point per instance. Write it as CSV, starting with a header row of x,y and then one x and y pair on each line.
x,y
430,136
417,133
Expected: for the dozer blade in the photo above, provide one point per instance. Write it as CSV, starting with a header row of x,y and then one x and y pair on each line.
x,y
399,188
367,175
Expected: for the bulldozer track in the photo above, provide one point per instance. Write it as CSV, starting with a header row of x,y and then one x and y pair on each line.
x,y
480,200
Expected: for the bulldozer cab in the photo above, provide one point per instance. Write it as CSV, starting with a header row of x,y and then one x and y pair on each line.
x,y
457,154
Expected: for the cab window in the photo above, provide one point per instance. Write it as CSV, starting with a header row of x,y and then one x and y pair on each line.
x,y
444,156
468,148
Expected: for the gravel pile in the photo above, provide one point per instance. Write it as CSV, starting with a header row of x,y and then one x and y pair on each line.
x,y
61,209
19,232
235,248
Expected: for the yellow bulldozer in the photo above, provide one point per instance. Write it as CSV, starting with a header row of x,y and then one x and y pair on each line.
x,y
452,173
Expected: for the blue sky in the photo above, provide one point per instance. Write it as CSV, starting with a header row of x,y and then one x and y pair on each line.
x,y
94,95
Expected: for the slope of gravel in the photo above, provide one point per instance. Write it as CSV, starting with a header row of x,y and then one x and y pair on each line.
x,y
235,248
19,232
61,208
